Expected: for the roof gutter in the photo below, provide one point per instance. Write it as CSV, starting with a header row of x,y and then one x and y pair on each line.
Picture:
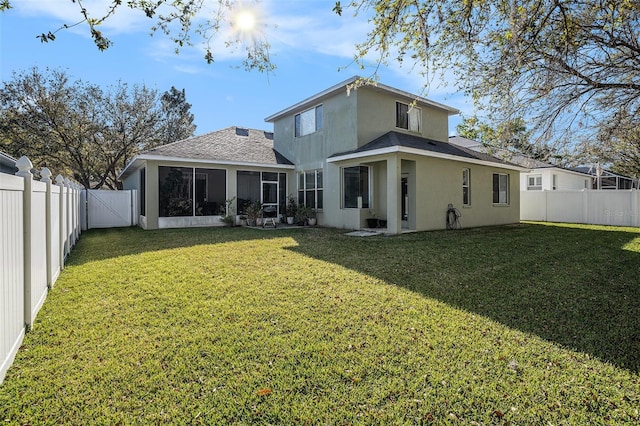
x,y
146,157
406,150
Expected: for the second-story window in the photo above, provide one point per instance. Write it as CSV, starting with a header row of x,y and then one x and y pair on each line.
x,y
308,121
408,117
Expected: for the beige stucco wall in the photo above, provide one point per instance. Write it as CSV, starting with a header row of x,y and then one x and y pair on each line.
x,y
433,185
377,116
337,134
439,183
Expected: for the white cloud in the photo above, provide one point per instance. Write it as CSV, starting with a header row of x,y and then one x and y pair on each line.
x,y
124,20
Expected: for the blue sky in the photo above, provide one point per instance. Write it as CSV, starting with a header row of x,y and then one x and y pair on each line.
x,y
310,43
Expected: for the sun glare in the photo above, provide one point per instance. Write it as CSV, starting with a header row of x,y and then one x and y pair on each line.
x,y
245,21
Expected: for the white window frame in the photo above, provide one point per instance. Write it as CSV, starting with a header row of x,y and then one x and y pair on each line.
x,y
501,201
537,183
414,118
299,130
318,175
466,183
369,188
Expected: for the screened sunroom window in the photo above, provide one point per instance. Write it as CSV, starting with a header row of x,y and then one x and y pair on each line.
x,y
268,188
143,191
187,191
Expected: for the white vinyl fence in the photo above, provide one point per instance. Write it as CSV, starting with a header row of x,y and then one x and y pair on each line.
x,y
596,207
109,209
39,224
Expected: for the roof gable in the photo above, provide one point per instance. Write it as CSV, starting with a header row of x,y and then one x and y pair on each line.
x,y
342,88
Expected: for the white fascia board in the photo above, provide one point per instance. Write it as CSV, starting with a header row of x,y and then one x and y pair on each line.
x,y
202,161
133,165
420,152
312,100
561,170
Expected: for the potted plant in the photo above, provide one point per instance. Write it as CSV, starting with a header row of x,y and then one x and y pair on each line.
x,y
372,220
254,212
302,215
291,209
312,217
228,216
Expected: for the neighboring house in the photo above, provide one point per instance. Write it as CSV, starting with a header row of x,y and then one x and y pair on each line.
x,y
607,179
7,163
536,175
374,150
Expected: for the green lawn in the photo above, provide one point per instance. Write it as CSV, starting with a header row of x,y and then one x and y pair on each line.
x,y
524,324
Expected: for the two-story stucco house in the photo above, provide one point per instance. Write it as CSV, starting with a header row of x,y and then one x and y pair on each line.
x,y
346,153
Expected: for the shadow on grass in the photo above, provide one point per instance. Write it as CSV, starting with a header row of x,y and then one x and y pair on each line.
x,y
102,244
573,286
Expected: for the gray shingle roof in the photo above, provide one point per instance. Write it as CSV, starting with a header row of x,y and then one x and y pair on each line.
x,y
235,144
412,141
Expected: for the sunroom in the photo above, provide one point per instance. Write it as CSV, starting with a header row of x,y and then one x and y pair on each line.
x,y
196,181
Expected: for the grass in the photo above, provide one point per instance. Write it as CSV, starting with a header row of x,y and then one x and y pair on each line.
x,y
522,324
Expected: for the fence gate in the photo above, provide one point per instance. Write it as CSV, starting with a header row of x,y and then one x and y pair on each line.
x,y
110,209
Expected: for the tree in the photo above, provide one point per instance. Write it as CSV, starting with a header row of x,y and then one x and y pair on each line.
x,y
621,148
506,139
76,127
178,121
180,20
567,66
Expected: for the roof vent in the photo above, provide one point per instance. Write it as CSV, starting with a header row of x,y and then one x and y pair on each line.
x,y
268,135
242,132
431,143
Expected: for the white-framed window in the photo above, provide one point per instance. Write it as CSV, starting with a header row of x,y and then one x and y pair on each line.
x,y
310,189
534,182
355,186
554,182
408,117
309,121
500,188
466,187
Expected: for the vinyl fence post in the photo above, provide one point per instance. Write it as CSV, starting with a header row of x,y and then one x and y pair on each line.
x,y
69,229
585,206
45,174
61,221
635,212
24,166
78,213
